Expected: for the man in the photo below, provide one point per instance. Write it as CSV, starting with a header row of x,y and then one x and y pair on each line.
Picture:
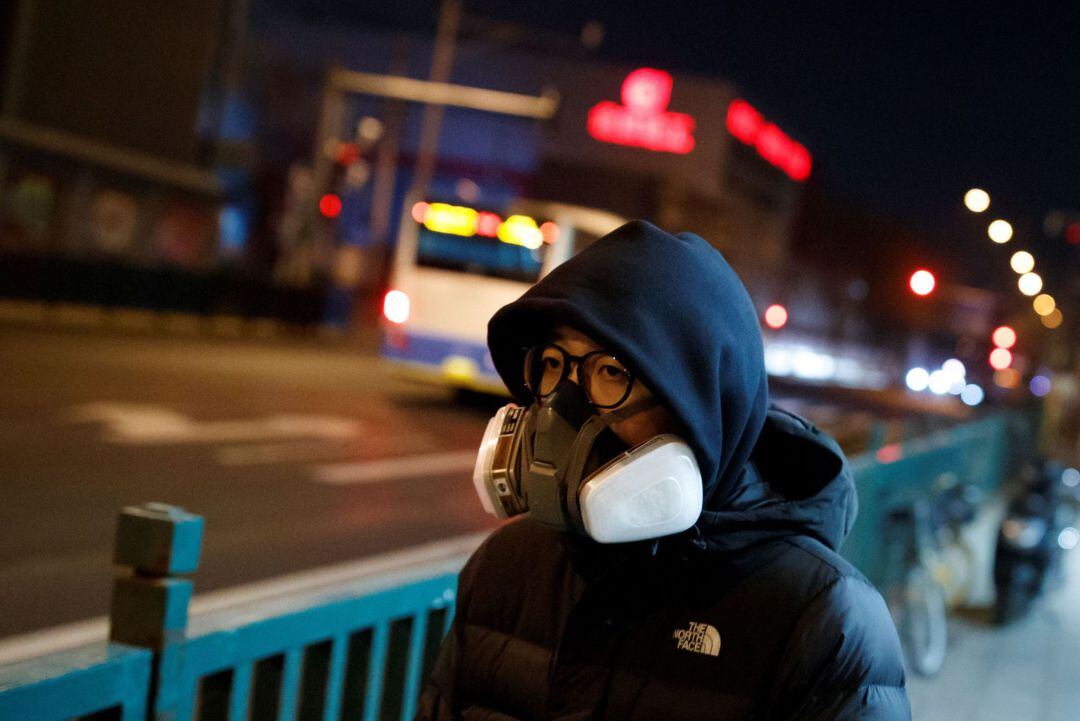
x,y
677,559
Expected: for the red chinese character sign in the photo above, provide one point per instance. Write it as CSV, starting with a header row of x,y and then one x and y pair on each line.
x,y
643,120
747,125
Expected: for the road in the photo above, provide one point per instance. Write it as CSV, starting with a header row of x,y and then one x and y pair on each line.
x,y
298,453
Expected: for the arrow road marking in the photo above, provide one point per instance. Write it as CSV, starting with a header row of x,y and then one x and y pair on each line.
x,y
341,474
135,424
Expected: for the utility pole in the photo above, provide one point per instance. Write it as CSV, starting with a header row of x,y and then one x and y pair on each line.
x,y
442,61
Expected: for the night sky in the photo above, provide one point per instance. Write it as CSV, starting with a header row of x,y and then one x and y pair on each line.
x,y
904,108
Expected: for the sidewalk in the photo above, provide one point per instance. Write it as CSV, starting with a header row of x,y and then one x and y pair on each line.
x,y
39,314
1027,671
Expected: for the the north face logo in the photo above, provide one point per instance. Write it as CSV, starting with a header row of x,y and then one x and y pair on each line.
x,y
699,638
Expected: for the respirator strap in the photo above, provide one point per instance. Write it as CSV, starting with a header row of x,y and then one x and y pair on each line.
x,y
583,444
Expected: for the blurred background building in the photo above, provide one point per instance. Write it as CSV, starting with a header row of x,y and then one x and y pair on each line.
x,y
220,158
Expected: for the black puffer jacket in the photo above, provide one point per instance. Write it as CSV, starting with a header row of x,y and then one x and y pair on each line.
x,y
751,614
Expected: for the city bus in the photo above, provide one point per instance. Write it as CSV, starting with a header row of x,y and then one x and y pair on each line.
x,y
455,265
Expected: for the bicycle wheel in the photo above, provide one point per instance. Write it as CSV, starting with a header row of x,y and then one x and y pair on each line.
x,y
923,624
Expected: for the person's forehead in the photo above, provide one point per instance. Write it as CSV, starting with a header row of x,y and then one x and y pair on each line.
x,y
568,336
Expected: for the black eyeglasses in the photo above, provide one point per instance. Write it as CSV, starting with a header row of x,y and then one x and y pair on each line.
x,y
606,382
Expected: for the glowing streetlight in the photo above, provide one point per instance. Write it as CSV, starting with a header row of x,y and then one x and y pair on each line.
x,y
1000,231
1022,261
977,200
1030,283
922,282
1044,304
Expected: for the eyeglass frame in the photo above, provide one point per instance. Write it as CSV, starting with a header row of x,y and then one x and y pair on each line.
x,y
579,361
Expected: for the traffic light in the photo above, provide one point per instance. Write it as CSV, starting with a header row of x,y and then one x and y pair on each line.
x,y
922,282
1004,337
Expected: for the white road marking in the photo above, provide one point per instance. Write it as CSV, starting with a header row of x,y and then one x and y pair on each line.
x,y
382,570
136,424
341,474
284,452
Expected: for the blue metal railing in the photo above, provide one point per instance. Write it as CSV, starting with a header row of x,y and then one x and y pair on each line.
x,y
894,475
353,657
102,681
345,649
353,649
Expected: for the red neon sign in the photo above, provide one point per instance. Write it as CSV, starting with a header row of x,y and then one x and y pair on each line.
x,y
746,124
643,121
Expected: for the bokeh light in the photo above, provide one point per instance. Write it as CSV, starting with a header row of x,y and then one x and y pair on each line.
x,y
1000,358
1004,337
1030,283
1008,378
940,382
776,316
1044,304
1071,477
922,282
917,379
977,200
330,205
1053,320
396,306
1022,261
1039,385
972,394
1000,231
955,368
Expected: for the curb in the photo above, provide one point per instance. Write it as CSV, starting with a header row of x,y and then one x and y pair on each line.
x,y
138,320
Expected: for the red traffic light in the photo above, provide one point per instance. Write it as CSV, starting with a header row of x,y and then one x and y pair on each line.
x,y
1000,359
922,282
776,316
330,206
1004,337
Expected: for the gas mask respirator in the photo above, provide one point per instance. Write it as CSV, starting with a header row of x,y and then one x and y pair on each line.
x,y
553,462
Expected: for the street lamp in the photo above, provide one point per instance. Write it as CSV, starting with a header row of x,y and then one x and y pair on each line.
x,y
1044,304
1030,283
1022,262
977,200
1000,231
1053,320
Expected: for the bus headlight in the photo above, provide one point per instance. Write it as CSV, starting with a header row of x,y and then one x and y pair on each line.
x,y
396,307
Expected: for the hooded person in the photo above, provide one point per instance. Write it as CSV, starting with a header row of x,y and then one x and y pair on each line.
x,y
745,610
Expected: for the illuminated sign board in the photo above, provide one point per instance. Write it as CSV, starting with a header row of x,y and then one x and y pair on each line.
x,y
467,222
747,125
643,121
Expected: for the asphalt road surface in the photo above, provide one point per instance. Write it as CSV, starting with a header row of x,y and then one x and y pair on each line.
x,y
298,453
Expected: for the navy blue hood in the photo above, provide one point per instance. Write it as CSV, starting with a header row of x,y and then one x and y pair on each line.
x,y
672,309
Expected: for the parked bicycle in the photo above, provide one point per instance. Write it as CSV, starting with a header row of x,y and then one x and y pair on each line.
x,y
932,568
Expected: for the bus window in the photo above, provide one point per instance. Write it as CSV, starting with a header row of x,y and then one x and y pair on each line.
x,y
478,255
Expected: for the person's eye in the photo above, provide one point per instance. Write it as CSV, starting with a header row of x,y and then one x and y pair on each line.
x,y
552,363
612,372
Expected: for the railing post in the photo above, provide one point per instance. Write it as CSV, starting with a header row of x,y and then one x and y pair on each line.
x,y
160,544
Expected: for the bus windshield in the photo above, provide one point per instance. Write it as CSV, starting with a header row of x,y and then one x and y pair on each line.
x,y
478,255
